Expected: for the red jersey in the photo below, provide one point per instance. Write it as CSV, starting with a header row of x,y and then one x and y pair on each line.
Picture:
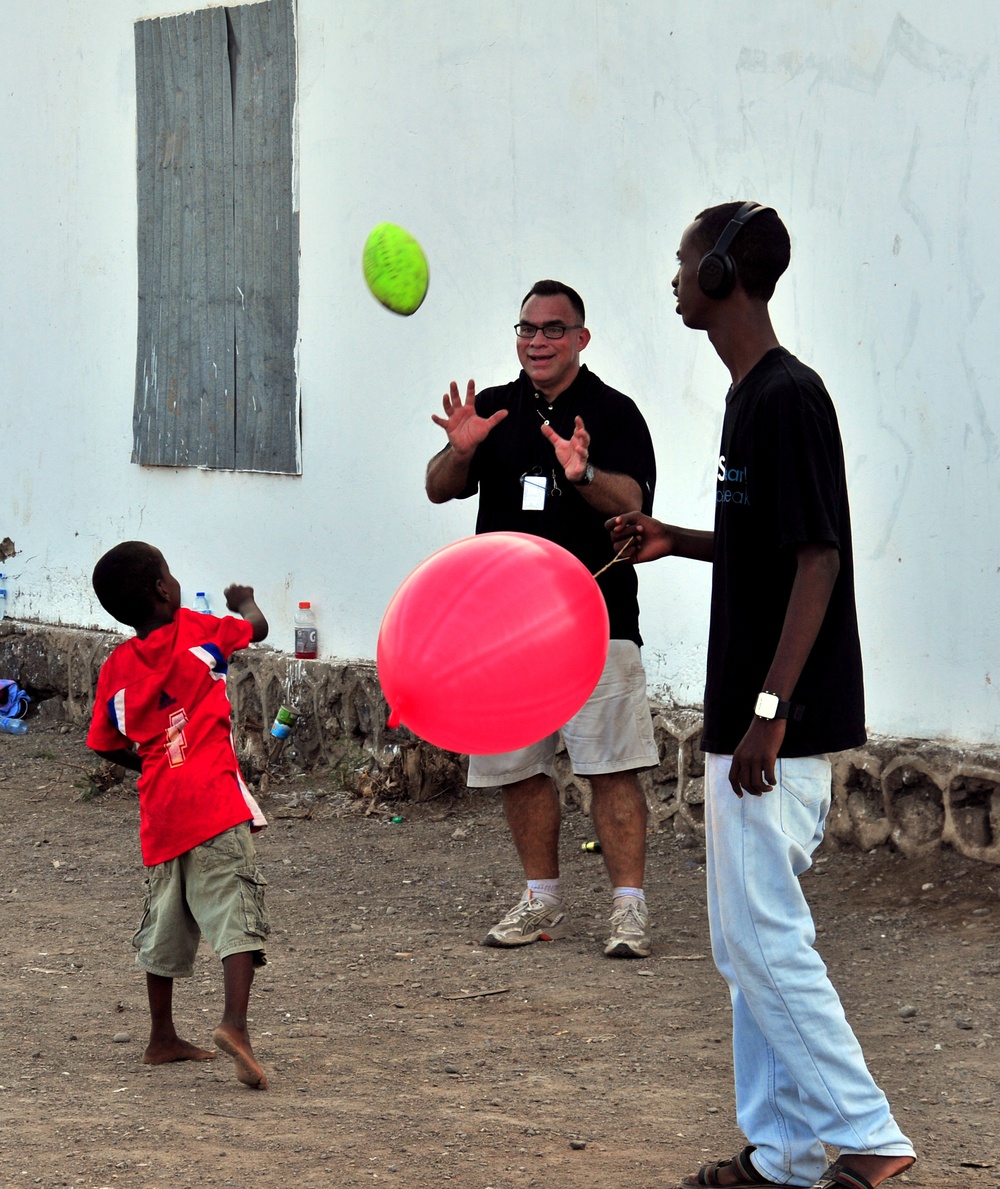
x,y
167,695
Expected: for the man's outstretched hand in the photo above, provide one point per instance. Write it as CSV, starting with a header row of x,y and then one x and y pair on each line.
x,y
572,453
463,425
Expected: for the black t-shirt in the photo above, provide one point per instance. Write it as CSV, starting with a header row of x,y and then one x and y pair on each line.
x,y
781,483
619,441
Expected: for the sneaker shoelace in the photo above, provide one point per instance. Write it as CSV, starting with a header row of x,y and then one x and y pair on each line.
x,y
628,918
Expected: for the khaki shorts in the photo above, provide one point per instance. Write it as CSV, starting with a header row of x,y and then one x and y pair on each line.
x,y
612,733
213,890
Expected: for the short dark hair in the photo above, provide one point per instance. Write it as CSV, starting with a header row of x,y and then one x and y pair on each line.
x,y
761,249
125,581
557,289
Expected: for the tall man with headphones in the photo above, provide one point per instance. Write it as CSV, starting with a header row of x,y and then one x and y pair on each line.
x,y
784,689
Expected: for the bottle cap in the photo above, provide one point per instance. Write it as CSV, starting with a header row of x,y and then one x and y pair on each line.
x,y
305,604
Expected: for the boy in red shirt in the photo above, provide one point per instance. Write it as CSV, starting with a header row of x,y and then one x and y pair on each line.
x,y
161,709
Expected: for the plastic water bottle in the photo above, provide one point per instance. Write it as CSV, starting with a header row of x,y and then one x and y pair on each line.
x,y
201,603
13,726
305,633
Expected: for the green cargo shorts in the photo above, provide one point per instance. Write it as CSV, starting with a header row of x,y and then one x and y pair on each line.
x,y
213,891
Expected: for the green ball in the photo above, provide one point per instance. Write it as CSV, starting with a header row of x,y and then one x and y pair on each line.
x,y
395,268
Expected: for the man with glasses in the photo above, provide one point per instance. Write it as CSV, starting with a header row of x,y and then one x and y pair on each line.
x,y
554,453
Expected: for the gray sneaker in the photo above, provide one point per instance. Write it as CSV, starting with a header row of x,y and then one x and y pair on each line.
x,y
629,930
529,920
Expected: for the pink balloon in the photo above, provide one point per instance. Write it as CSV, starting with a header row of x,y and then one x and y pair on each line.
x,y
492,643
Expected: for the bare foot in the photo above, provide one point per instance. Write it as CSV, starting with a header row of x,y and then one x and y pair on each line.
x,y
162,1052
875,1169
237,1045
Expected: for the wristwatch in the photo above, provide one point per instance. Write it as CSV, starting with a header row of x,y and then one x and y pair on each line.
x,y
586,478
770,706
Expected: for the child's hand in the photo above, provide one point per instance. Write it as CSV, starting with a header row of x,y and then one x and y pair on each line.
x,y
240,599
237,595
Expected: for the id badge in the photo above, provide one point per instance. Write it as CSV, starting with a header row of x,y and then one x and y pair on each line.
x,y
533,489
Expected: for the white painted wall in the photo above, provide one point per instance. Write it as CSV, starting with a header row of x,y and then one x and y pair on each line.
x,y
517,140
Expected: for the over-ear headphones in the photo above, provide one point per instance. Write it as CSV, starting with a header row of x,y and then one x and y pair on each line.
x,y
717,270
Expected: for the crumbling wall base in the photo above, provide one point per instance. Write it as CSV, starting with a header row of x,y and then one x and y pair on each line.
x,y
915,795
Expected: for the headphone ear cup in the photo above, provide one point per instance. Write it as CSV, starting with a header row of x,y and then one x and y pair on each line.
x,y
716,274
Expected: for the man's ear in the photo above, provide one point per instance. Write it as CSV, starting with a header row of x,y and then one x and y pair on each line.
x,y
584,338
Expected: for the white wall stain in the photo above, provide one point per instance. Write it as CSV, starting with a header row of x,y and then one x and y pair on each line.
x,y
985,431
860,70
908,203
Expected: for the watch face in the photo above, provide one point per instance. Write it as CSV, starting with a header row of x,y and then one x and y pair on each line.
x,y
767,705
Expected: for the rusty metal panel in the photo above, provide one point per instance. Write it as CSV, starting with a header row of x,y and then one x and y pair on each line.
x,y
267,237
218,240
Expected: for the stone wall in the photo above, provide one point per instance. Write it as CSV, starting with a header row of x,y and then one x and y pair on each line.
x,y
914,795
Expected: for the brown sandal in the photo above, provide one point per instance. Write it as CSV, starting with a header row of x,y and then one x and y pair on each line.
x,y
839,1177
708,1174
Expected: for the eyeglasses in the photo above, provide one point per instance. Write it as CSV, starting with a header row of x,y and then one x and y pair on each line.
x,y
551,330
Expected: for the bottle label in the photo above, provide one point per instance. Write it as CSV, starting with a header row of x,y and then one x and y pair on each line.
x,y
287,717
280,730
305,641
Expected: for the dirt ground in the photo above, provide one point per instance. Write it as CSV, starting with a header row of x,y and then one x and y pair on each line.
x,y
399,1050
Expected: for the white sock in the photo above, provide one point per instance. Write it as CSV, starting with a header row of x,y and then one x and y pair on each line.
x,y
546,890
628,894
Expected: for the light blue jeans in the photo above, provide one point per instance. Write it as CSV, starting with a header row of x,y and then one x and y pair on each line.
x,y
801,1077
